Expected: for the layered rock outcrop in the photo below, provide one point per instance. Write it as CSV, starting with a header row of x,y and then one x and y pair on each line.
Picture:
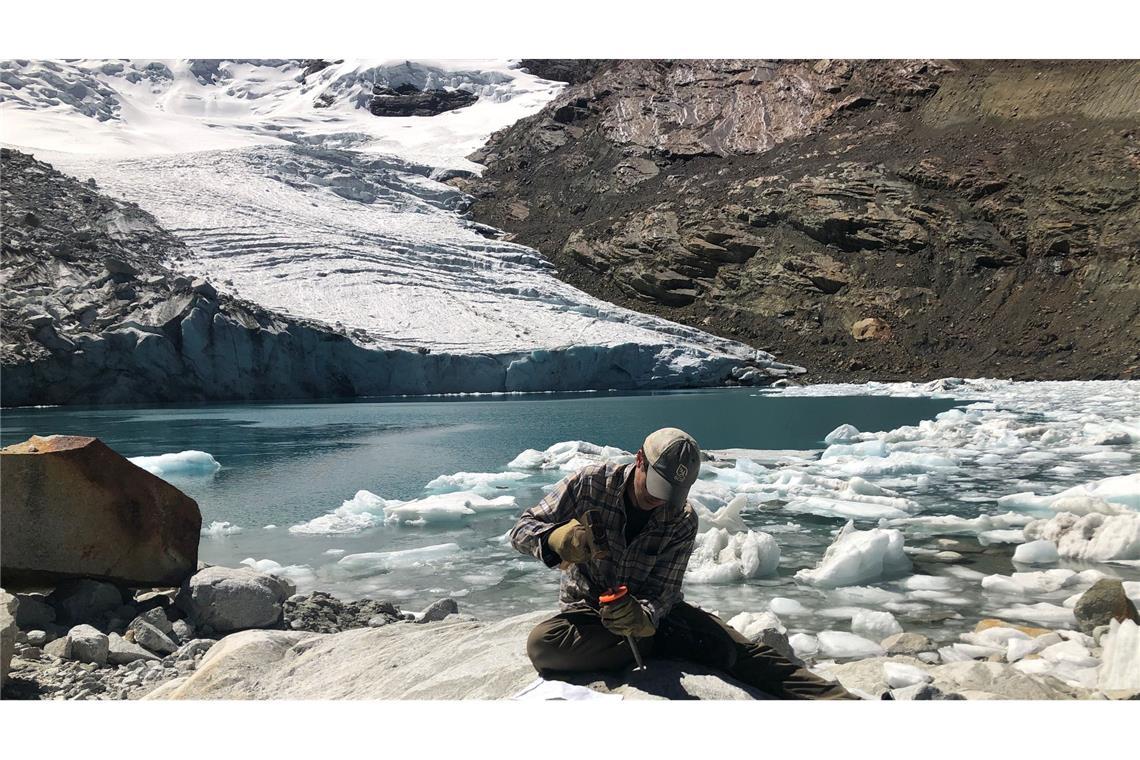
x,y
985,214
73,508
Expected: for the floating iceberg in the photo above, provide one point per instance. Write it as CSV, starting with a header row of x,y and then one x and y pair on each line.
x,y
842,645
364,510
220,528
720,557
443,508
569,456
371,563
752,624
184,464
859,556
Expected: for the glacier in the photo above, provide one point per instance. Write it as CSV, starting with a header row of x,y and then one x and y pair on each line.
x,y
290,194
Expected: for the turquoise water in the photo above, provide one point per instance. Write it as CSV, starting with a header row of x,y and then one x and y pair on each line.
x,y
284,464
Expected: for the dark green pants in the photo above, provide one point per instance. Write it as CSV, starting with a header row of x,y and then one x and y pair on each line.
x,y
576,640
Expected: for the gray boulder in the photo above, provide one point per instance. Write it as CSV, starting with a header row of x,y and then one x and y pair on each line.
x,y
9,606
182,631
906,643
146,635
120,651
35,612
59,648
233,599
37,638
1103,603
438,610
450,660
88,644
157,617
82,600
193,650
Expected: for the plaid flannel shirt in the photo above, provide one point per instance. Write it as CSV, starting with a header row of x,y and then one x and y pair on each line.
x,y
652,565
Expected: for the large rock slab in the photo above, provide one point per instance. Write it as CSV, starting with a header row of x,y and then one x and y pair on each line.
x,y
971,679
233,599
1103,603
446,660
8,631
72,507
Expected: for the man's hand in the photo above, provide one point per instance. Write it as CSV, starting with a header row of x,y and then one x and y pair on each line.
x,y
626,617
571,542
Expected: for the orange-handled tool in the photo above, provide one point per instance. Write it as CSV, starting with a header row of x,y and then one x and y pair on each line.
x,y
609,597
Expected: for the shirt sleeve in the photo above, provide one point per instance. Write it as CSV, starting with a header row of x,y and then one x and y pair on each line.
x,y
535,524
662,588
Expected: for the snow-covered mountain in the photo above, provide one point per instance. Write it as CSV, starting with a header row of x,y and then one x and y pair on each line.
x,y
291,193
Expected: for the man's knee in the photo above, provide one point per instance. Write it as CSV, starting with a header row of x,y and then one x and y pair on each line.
x,y
542,646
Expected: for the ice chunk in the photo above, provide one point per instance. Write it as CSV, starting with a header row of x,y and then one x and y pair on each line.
x,y
752,624
875,625
1072,652
840,645
726,518
482,483
875,448
369,563
1036,553
857,557
804,644
302,575
842,434
1123,490
988,537
364,510
900,675
1094,536
783,606
1119,675
569,456
217,529
721,557
1041,612
183,464
443,508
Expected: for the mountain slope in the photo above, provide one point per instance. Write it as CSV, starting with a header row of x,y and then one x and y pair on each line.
x,y
887,219
272,180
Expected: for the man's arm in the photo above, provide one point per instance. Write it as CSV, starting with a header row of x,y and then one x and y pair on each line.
x,y
662,588
558,507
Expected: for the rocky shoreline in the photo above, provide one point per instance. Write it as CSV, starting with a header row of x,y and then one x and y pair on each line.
x,y
88,639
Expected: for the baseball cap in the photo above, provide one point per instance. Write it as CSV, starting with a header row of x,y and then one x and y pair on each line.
x,y
674,461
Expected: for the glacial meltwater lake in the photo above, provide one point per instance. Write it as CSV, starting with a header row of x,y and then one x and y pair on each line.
x,y
302,466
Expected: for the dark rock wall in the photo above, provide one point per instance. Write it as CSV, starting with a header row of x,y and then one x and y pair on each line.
x,y
987,212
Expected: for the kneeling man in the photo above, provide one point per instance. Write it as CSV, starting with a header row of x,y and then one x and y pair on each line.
x,y
645,531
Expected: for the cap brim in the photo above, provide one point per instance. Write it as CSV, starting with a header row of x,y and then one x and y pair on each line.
x,y
660,488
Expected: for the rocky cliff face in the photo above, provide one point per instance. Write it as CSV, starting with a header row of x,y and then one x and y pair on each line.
x,y
887,219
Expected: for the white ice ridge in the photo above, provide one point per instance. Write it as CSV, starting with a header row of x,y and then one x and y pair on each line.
x,y
859,556
367,510
335,215
720,557
180,464
220,528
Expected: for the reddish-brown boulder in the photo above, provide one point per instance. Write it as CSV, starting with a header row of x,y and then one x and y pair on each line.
x,y
73,507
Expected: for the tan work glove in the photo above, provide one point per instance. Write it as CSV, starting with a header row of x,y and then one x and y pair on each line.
x,y
571,542
626,617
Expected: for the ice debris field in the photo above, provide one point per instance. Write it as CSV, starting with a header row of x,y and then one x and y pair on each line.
x,y
1010,506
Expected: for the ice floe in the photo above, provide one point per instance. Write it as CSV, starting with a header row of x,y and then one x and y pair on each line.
x,y
182,464
220,528
721,557
859,556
